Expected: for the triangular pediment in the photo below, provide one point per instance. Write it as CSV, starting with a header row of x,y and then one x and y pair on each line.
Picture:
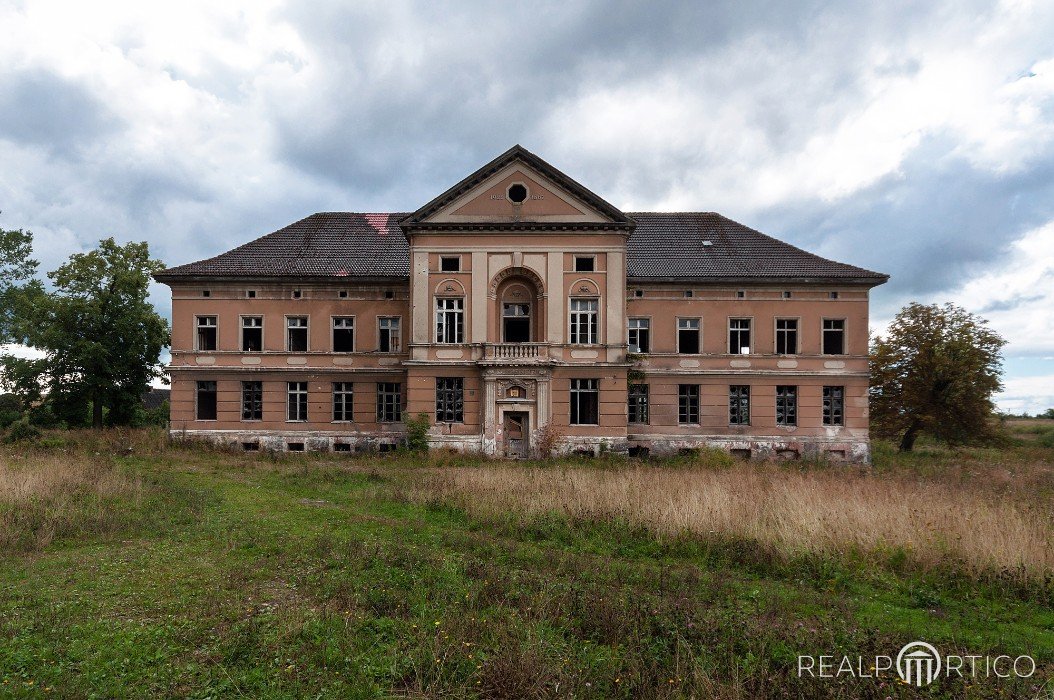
x,y
517,189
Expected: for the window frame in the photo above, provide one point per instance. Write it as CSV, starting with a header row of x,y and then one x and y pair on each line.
x,y
399,335
776,335
307,332
450,400
215,332
576,393
257,406
529,318
383,405
646,329
333,332
442,319
347,402
242,318
304,403
687,395
736,393
591,257
823,336
698,330
789,400
443,257
646,403
749,330
573,320
828,410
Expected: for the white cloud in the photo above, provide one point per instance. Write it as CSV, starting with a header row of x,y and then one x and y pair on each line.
x,y
1027,395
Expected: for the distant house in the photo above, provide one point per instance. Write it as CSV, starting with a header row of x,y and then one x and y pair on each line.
x,y
518,299
154,398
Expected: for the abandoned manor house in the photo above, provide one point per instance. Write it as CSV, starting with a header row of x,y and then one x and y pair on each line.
x,y
519,310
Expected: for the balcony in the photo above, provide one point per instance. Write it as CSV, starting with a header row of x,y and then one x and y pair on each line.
x,y
515,352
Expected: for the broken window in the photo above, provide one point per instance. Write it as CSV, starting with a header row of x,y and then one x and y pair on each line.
x,y
688,404
739,405
252,400
343,399
834,336
389,402
833,405
786,405
389,338
450,400
450,320
297,403
206,339
584,329
640,335
638,403
252,333
296,333
786,336
450,263
343,334
585,263
206,401
688,336
585,402
516,323
739,336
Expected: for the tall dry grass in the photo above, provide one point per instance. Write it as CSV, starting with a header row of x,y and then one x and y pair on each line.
x,y
819,511
44,496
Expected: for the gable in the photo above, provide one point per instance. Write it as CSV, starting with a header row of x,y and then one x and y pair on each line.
x,y
489,201
548,198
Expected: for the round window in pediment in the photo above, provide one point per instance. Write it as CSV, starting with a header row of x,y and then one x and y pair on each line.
x,y
517,193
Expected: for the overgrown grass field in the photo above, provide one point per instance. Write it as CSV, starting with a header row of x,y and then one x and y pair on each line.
x,y
133,568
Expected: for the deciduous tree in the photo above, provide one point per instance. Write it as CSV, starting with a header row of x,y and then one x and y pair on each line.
x,y
17,284
101,337
935,372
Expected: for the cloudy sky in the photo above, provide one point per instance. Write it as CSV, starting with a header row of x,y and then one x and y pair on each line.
x,y
912,138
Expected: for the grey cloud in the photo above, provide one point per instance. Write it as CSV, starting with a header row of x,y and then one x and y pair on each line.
x,y
44,109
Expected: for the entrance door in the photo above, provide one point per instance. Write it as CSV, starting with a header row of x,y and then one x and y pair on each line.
x,y
516,435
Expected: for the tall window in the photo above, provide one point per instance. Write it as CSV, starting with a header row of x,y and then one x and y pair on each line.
x,y
389,338
296,333
639,335
585,402
834,405
252,400
343,334
450,320
252,333
638,403
516,323
389,402
584,329
786,336
206,403
450,400
739,336
739,405
343,401
688,336
834,336
206,326
687,404
786,405
297,401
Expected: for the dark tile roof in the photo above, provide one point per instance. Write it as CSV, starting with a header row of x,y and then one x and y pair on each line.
x,y
705,245
328,244
663,246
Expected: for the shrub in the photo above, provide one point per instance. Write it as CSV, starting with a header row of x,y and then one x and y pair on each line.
x,y
548,440
22,431
417,433
10,409
1047,439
